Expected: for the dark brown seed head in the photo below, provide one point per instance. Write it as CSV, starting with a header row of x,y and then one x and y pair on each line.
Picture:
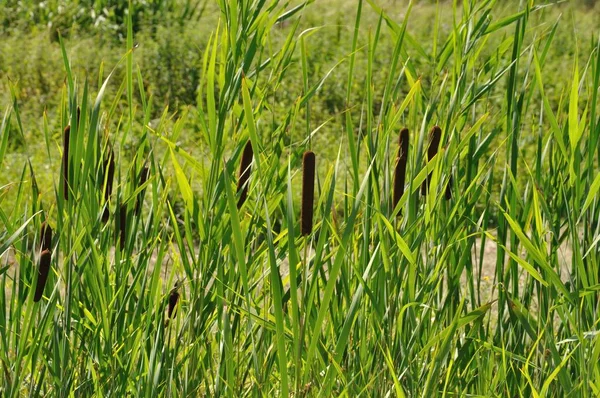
x,y
43,270
65,161
105,214
46,236
122,225
144,173
435,137
400,170
173,298
308,192
245,169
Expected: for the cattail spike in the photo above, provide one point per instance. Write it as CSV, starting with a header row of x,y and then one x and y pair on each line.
x,y
400,170
245,169
173,298
78,117
308,192
43,270
144,173
65,161
46,236
435,137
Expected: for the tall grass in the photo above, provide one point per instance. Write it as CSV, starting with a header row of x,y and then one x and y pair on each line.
x,y
368,300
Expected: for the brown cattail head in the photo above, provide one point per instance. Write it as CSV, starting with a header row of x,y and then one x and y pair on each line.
x,y
308,192
435,137
144,173
105,214
43,270
46,236
65,161
122,225
173,298
245,169
400,171
78,117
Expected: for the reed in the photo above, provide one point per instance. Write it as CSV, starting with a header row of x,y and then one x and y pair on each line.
x,y
122,225
448,193
109,170
435,136
43,270
65,161
400,170
308,192
244,176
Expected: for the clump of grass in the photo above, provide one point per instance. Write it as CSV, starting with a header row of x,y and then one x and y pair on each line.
x,y
400,170
65,161
308,192
43,270
435,136
245,169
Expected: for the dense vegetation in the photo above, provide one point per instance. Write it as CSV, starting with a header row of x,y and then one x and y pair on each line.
x,y
156,235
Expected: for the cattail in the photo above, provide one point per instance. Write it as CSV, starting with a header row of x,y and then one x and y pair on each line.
x,y
245,169
78,117
435,137
46,236
144,173
308,192
173,298
65,161
43,271
122,225
400,171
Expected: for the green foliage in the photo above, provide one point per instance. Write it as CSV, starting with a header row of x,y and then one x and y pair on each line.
x,y
492,292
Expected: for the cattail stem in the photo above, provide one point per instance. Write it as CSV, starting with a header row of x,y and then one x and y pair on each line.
x,y
43,270
245,169
400,171
46,236
435,137
122,225
308,192
448,194
144,173
65,161
110,175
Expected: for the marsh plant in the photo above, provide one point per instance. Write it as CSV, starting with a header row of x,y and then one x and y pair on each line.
x,y
462,262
